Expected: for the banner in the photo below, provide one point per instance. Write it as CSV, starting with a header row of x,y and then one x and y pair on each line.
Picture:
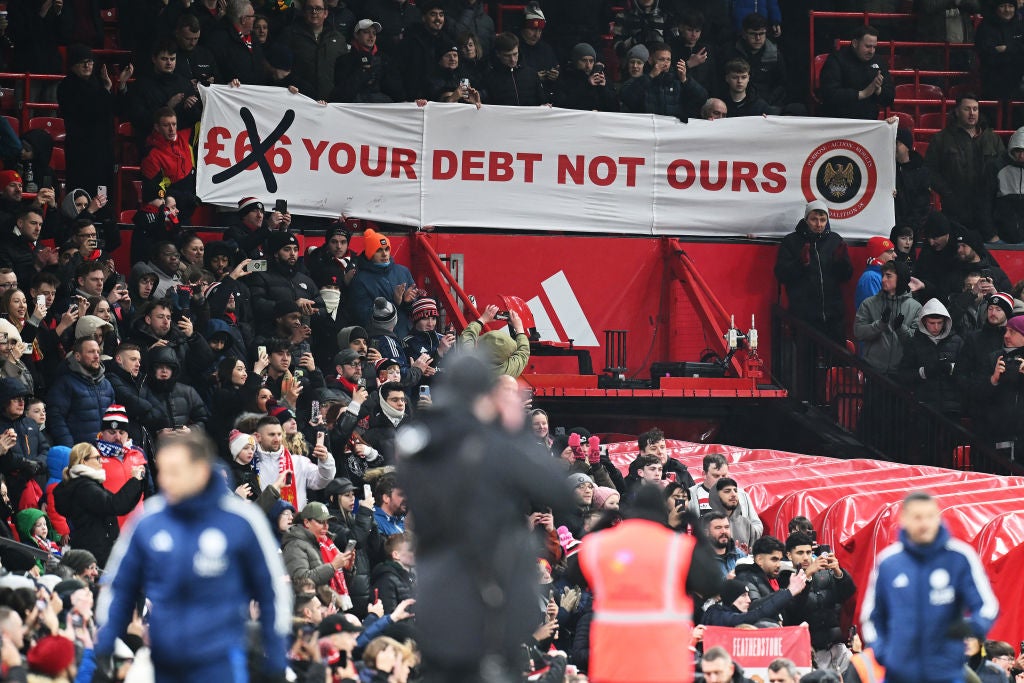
x,y
541,168
755,649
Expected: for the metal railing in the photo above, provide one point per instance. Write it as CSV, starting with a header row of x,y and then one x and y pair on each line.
x,y
880,413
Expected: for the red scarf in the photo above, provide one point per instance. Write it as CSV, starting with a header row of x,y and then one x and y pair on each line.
x,y
289,493
328,551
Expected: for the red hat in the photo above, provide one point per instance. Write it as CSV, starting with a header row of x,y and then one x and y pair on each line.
x,y
8,177
878,246
384,363
51,656
424,308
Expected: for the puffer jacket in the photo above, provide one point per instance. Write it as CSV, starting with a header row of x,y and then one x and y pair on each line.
x,y
928,361
814,289
843,75
394,583
1008,205
181,403
76,402
302,559
193,354
820,604
881,345
280,282
373,280
1001,71
913,191
369,544
960,166
1004,401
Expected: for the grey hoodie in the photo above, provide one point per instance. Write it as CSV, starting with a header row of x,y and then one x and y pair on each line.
x,y
881,345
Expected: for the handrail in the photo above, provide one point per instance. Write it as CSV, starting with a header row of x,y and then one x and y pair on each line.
x,y
918,431
441,272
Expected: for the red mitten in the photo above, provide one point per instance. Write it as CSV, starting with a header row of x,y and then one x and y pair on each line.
x,y
594,453
805,255
842,253
574,440
575,443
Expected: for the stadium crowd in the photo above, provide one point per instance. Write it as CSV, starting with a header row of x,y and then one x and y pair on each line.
x,y
304,368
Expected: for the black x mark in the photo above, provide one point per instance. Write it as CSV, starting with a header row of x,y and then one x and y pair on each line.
x,y
259,149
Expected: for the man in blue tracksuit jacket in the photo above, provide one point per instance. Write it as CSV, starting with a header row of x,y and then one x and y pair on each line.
x,y
200,554
928,592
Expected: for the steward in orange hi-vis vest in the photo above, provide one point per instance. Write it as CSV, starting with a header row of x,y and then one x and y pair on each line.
x,y
643,617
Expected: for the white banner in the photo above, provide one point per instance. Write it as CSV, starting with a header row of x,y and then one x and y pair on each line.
x,y
543,169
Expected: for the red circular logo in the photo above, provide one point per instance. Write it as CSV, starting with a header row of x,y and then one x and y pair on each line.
x,y
843,174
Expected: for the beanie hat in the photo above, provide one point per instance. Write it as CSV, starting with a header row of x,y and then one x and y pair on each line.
x,y
247,204
336,228
878,246
579,479
372,241
639,51
1003,301
566,539
900,231
581,50
905,136
731,590
384,312
286,307
237,441
115,418
816,205
78,53
278,241
281,413
973,240
8,177
346,356
51,656
936,225
1016,324
78,560
602,494
424,308
534,16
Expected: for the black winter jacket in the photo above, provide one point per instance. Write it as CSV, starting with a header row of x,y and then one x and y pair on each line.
x,y
820,604
234,58
1000,71
913,191
141,405
394,583
182,404
369,546
814,288
574,91
92,512
517,86
935,361
843,75
1004,402
280,282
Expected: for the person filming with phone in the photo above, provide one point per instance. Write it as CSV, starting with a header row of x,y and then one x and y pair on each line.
x,y
309,553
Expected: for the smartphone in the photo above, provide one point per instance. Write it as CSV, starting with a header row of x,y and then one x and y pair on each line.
x,y
73,308
184,297
261,351
257,266
376,594
368,492
287,478
361,382
320,438
351,545
101,191
598,69
314,410
424,392
41,301
671,476
281,205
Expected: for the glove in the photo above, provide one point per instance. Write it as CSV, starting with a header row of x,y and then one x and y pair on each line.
x,y
805,255
841,253
886,315
931,371
594,453
897,322
574,441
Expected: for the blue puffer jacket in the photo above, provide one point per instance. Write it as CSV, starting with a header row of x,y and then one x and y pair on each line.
x,y
916,594
374,280
76,403
200,561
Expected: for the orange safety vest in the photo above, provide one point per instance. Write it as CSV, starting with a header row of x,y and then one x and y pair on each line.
x,y
642,615
868,668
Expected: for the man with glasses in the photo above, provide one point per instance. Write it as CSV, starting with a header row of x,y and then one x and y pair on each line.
x,y
316,48
999,658
238,56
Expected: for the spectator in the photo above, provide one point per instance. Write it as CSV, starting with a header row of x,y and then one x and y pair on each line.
x,y
583,85
505,354
783,671
379,276
358,525
340,16
716,528
714,466
998,664
392,411
1004,392
283,281
642,22
237,389
507,81
153,330
234,557
90,509
20,250
820,605
685,41
880,251
741,98
973,257
767,68
714,109
472,60
184,407
420,47
162,87
929,359
726,499
652,442
393,580
913,185
536,53
895,615
365,73
88,103
425,339
249,233
272,457
168,163
194,61
812,263
118,455
938,259
316,49
887,321
762,575
232,46
470,16
395,17
737,607
973,366
1000,45
309,553
636,61
447,81
854,83
146,416
960,158
664,90
80,395
718,667
1008,205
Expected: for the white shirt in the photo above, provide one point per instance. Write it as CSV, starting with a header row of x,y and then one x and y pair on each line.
x,y
308,475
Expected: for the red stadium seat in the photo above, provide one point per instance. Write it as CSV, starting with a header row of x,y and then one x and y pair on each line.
x,y
921,147
905,119
933,120
51,124
126,148
14,124
127,216
57,161
7,100
819,62
920,91
964,89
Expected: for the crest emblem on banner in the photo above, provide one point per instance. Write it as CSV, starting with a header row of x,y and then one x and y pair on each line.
x,y
843,174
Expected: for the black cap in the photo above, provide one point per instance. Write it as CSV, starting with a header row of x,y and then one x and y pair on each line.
x,y
337,623
337,487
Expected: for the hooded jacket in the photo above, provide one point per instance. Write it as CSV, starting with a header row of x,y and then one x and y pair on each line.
x,y
513,86
218,553
92,511
929,359
506,356
663,94
881,344
76,403
573,90
814,288
1008,205
141,405
180,402
194,356
916,594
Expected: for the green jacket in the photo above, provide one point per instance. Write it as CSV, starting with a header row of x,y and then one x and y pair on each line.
x,y
508,356
302,557
314,59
